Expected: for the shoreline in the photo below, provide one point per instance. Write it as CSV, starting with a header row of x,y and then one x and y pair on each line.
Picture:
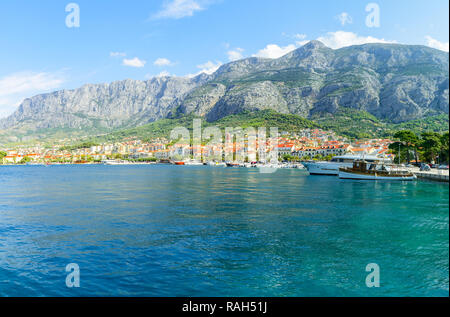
x,y
439,176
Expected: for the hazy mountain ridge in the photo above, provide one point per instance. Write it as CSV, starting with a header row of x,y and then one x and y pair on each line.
x,y
393,82
117,104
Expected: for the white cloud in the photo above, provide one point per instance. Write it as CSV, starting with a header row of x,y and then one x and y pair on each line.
x,y
117,54
431,42
340,39
164,73
209,67
236,54
334,40
177,9
300,36
8,106
14,88
301,43
206,68
163,62
135,62
345,18
28,81
275,51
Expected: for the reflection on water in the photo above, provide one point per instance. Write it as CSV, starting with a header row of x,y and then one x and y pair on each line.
x,y
209,231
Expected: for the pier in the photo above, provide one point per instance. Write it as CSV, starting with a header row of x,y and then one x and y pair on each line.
x,y
434,175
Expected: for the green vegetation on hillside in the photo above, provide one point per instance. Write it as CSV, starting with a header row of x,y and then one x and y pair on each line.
x,y
25,136
437,123
264,118
83,145
292,77
357,124
352,123
157,129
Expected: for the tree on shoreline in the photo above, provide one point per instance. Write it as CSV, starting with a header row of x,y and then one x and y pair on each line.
x,y
444,155
410,141
426,147
25,160
431,143
2,155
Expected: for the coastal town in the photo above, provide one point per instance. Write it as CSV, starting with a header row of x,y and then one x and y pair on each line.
x,y
218,157
309,144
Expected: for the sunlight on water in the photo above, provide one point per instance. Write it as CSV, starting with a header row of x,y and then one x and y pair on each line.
x,y
209,231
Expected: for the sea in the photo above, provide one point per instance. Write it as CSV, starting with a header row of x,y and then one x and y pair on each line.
x,y
169,231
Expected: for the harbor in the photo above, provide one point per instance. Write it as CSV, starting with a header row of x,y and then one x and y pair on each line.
x,y
330,168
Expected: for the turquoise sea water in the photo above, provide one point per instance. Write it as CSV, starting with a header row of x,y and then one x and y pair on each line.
x,y
208,231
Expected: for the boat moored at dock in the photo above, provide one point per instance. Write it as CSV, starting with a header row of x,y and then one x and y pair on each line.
x,y
364,170
116,162
232,164
332,167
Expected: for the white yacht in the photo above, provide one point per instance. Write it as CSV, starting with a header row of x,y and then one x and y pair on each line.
x,y
193,163
116,162
332,167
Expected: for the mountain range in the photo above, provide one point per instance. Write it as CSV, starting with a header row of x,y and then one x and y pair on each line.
x,y
394,83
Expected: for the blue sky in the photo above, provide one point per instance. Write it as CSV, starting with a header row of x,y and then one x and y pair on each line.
x,y
138,39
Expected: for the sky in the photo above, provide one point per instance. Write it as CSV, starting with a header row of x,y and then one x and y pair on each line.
x,y
48,45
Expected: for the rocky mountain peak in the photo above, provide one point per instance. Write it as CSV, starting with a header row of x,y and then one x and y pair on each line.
x,y
313,45
393,82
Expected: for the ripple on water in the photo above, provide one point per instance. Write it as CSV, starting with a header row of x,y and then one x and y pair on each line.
x,y
201,231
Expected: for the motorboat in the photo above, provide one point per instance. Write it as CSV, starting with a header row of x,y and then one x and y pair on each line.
x,y
332,167
364,170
